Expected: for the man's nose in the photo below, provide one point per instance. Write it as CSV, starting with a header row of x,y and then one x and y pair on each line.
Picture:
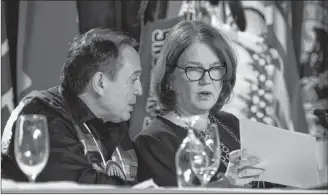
x,y
138,89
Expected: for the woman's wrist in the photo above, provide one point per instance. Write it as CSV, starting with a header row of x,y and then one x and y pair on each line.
x,y
222,182
227,182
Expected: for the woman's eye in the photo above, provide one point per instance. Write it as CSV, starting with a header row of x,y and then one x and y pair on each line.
x,y
194,69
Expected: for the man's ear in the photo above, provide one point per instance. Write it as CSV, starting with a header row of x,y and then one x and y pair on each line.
x,y
97,83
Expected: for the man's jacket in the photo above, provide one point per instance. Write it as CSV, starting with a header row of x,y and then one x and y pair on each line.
x,y
74,155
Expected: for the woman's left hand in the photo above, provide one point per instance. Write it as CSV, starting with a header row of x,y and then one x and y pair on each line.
x,y
241,169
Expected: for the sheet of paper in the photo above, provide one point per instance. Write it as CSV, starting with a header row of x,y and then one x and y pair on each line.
x,y
290,157
146,184
322,153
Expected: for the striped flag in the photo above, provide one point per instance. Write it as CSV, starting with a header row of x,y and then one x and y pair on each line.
x,y
314,60
45,28
7,95
280,37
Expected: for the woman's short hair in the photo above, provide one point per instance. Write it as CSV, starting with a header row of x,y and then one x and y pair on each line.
x,y
181,36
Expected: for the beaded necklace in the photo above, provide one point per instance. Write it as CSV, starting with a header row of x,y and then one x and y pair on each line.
x,y
203,135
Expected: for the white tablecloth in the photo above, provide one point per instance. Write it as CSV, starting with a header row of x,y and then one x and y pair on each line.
x,y
8,186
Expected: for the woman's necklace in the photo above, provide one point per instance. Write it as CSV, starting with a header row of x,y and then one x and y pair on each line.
x,y
202,134
181,116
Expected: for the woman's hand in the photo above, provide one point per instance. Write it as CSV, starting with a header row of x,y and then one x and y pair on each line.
x,y
241,169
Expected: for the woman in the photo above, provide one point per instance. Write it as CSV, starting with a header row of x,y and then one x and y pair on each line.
x,y
195,75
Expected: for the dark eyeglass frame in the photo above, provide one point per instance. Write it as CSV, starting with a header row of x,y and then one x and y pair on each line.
x,y
204,71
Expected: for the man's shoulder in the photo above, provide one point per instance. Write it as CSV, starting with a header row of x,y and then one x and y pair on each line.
x,y
48,102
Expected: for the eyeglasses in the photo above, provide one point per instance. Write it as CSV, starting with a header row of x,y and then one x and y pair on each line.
x,y
216,73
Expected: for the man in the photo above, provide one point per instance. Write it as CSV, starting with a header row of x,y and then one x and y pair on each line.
x,y
86,113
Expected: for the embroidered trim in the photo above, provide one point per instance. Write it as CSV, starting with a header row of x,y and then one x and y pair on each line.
x,y
225,128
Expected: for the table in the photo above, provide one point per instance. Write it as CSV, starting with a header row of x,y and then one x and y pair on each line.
x,y
9,186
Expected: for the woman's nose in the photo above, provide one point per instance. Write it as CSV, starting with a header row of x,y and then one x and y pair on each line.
x,y
206,78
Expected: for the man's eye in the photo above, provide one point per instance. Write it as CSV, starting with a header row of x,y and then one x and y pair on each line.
x,y
135,79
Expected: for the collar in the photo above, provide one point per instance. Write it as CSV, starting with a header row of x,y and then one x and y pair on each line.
x,y
79,109
82,114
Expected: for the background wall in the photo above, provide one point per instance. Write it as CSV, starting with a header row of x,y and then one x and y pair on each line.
x,y
35,37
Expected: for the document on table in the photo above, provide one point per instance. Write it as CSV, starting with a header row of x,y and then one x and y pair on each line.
x,y
289,157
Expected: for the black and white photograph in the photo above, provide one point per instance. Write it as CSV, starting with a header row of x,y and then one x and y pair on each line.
x,y
164,96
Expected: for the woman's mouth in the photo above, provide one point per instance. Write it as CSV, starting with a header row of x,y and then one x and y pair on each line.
x,y
204,94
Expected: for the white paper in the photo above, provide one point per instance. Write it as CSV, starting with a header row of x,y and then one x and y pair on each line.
x,y
290,157
146,184
322,153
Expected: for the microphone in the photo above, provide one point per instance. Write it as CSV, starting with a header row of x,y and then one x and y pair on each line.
x,y
320,112
323,117
214,2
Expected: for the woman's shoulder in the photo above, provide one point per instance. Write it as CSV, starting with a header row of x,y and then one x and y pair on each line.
x,y
163,132
155,126
229,129
228,119
158,127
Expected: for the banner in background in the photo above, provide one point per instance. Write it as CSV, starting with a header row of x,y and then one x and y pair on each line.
x,y
155,34
112,14
7,94
45,28
314,60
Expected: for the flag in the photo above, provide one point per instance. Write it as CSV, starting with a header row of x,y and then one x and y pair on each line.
x,y
314,60
7,94
44,30
280,37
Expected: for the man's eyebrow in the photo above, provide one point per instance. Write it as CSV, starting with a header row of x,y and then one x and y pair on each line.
x,y
137,72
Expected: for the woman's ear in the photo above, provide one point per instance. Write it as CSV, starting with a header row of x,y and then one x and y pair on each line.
x,y
171,82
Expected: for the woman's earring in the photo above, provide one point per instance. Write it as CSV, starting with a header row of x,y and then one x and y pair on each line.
x,y
170,87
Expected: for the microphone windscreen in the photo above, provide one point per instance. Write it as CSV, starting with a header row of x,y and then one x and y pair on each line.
x,y
319,112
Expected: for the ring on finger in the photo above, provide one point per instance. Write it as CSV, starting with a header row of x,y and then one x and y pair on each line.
x,y
234,160
240,175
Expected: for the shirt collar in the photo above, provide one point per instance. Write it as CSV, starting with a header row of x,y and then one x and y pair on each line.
x,y
82,113
79,109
